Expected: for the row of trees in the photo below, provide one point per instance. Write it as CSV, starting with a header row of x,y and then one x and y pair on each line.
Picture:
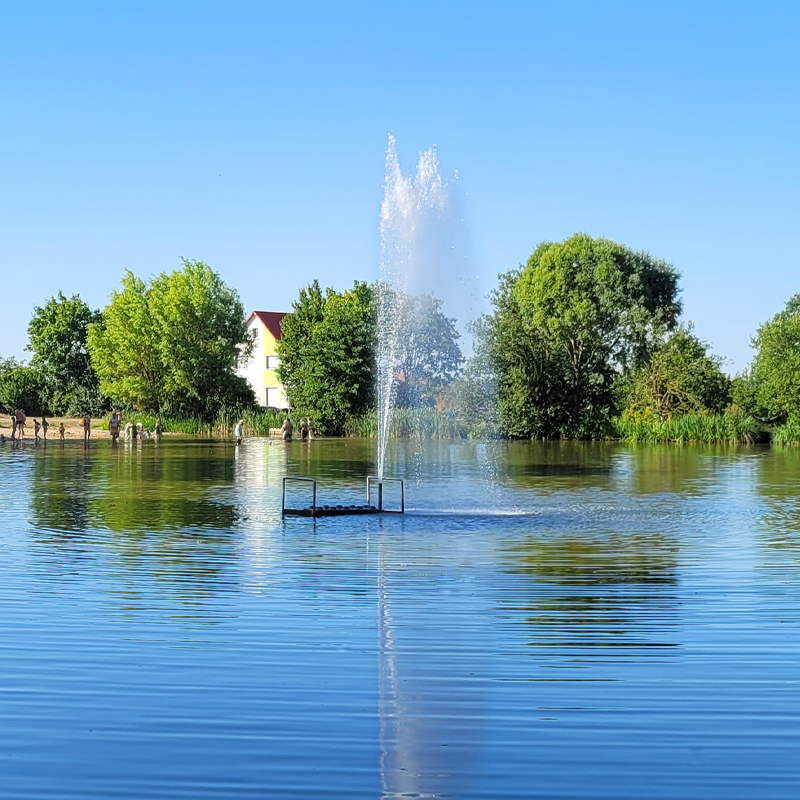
x,y
167,345
585,331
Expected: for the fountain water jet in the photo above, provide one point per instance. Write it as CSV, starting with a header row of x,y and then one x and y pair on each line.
x,y
416,226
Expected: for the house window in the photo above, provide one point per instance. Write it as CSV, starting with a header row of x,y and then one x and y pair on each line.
x,y
273,398
273,362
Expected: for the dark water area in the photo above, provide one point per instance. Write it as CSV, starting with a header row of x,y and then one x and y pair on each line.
x,y
547,621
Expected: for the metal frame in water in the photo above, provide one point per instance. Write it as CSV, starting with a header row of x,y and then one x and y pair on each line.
x,y
343,510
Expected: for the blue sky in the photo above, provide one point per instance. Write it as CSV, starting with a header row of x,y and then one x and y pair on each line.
x,y
252,136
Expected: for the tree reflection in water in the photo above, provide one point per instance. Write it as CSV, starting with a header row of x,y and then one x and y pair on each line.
x,y
586,593
148,510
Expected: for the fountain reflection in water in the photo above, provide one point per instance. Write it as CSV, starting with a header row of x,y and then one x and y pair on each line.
x,y
421,252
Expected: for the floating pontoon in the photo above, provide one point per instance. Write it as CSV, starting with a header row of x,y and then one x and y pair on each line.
x,y
315,510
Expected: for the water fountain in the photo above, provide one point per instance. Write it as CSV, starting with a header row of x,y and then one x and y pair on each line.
x,y
418,254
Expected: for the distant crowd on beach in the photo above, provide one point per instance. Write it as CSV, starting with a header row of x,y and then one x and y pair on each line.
x,y
18,421
130,432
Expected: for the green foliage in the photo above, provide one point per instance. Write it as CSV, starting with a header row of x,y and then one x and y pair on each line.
x,y
172,345
732,427
775,373
531,383
680,377
58,339
430,356
473,395
789,433
327,352
581,310
744,393
21,387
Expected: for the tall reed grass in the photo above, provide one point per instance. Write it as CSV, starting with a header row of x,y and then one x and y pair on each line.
x,y
788,433
257,422
730,428
410,423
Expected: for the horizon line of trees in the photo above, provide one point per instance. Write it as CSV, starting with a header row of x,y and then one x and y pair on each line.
x,y
587,330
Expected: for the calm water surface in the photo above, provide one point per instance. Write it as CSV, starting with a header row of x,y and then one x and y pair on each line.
x,y
555,620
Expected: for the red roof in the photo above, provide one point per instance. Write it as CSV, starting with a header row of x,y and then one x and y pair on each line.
x,y
271,321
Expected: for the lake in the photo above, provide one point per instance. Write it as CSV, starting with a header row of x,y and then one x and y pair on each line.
x,y
548,620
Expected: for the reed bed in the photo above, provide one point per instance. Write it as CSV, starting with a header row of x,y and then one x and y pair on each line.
x,y
410,423
730,428
257,422
789,433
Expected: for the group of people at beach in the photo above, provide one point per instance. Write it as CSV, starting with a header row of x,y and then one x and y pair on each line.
x,y
40,429
286,430
131,430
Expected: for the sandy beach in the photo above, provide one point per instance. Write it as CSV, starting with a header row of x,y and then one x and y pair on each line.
x,y
72,429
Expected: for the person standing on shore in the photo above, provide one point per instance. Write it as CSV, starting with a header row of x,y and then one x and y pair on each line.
x,y
45,428
61,431
20,415
87,429
36,427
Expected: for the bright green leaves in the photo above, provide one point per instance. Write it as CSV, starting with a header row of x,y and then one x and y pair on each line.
x,y
327,351
172,344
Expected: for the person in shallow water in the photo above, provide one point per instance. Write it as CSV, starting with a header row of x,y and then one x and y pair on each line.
x,y
158,428
238,431
113,426
87,428
45,428
303,428
61,431
286,430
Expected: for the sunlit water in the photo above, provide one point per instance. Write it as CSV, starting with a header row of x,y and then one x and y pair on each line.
x,y
585,621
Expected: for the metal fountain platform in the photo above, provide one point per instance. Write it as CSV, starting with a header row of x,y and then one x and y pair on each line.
x,y
315,510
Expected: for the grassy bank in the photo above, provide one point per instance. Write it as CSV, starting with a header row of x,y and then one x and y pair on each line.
x,y
428,423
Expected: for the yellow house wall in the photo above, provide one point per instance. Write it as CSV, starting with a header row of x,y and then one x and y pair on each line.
x,y
270,375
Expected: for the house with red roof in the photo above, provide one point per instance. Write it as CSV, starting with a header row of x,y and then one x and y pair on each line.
x,y
261,370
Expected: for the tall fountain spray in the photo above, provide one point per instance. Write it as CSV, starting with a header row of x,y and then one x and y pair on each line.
x,y
415,213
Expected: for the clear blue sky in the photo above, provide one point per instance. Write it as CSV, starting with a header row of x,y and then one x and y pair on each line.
x,y
252,136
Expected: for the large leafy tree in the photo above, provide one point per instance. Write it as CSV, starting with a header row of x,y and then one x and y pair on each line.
x,y
681,376
429,357
58,333
775,373
171,345
327,352
21,387
567,323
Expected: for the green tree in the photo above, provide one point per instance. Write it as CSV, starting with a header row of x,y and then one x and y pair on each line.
x,y
21,388
57,336
327,352
429,353
171,345
531,384
775,372
577,314
680,377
